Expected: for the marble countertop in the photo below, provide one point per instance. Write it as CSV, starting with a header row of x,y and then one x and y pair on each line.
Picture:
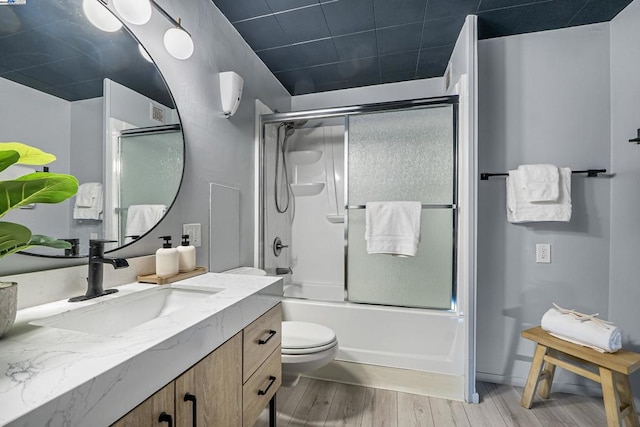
x,y
61,377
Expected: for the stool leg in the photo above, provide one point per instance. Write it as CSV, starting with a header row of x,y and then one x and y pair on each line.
x,y
626,398
547,378
534,376
610,397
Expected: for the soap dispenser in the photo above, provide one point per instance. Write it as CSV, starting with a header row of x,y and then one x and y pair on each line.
x,y
186,255
166,259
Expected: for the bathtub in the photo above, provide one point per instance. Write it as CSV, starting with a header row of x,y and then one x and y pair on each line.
x,y
405,338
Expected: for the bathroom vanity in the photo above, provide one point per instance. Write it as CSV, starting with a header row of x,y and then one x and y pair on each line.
x,y
61,375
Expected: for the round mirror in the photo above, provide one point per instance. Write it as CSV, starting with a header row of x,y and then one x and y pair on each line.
x,y
88,96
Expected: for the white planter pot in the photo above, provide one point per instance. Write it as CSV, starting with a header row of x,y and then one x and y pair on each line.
x,y
8,305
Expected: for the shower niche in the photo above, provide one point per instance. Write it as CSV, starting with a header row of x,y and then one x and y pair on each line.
x,y
304,158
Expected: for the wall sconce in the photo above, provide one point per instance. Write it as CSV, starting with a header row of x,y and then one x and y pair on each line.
x,y
176,40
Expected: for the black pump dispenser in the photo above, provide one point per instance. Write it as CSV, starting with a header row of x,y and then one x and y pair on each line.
x,y
167,241
185,240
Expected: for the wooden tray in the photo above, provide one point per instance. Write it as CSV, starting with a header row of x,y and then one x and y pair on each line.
x,y
152,278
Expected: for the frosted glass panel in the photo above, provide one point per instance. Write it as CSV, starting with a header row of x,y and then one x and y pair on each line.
x,y
402,155
150,170
421,281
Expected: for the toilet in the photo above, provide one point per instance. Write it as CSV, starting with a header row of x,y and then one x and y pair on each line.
x,y
305,346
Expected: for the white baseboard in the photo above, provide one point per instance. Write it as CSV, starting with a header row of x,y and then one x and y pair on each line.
x,y
404,380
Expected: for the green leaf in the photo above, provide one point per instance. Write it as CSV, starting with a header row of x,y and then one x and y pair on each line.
x,y
13,238
7,158
39,187
40,240
28,155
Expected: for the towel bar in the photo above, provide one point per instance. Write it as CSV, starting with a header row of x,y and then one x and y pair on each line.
x,y
424,206
591,173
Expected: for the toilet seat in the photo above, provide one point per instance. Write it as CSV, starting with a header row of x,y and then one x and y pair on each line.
x,y
310,350
306,338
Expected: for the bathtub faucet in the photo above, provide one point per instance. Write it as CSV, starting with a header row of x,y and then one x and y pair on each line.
x,y
283,270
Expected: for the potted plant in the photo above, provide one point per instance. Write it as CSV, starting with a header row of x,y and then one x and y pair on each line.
x,y
37,187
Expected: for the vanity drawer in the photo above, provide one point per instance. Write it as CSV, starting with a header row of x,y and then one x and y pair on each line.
x,y
260,339
260,388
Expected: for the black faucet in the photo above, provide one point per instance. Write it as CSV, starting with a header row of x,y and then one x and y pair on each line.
x,y
94,281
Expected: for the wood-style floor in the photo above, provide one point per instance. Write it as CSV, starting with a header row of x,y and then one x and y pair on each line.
x,y
324,403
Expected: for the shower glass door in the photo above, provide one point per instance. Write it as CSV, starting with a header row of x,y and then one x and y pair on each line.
x,y
150,171
403,155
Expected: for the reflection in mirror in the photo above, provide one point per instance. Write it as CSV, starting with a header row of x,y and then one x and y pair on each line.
x,y
89,97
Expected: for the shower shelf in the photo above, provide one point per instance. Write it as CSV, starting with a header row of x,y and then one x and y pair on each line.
x,y
307,189
335,218
306,157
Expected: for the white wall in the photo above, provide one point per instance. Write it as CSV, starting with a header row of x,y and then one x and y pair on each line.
x,y
543,98
40,120
624,290
425,88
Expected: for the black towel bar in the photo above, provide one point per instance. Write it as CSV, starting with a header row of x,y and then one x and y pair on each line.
x,y
591,173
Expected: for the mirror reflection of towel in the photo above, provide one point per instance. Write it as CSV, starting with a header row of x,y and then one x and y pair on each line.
x,y
89,201
141,218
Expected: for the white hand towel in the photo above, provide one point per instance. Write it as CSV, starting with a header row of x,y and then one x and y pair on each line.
x,y
141,218
89,203
597,335
519,210
393,228
540,183
87,194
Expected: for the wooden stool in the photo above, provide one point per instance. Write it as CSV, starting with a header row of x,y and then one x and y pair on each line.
x,y
611,370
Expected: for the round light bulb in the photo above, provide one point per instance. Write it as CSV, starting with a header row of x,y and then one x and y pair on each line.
x,y
144,53
178,43
100,16
137,12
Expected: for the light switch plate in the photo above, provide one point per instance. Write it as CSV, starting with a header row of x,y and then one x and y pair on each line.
x,y
194,232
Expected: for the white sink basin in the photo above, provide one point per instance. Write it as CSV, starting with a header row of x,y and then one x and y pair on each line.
x,y
124,312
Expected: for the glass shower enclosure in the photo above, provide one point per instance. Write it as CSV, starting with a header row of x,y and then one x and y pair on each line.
x,y
390,152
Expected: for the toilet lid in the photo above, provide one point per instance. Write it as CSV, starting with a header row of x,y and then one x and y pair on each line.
x,y
304,335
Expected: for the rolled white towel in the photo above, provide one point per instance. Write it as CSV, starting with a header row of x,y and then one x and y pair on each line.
x,y
577,328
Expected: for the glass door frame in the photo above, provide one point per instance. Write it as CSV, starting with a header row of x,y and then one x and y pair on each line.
x,y
276,118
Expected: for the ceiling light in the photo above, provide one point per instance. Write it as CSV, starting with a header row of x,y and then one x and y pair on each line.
x,y
100,16
144,53
137,12
178,43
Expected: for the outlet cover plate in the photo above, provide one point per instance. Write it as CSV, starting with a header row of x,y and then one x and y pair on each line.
x,y
543,253
194,232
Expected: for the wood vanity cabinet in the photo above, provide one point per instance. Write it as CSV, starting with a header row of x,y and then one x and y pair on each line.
x,y
227,388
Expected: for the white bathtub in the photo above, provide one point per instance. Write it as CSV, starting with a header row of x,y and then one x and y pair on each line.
x,y
422,340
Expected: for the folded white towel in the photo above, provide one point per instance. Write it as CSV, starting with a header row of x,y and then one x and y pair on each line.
x,y
540,183
579,329
89,203
87,194
142,218
393,228
520,210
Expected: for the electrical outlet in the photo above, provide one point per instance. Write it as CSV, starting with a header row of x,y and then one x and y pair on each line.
x,y
543,253
194,232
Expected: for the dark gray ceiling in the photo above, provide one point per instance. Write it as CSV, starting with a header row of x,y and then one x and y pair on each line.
x,y
314,45
50,46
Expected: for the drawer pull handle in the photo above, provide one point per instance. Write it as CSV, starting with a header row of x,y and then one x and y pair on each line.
x,y
166,418
272,380
266,340
194,408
